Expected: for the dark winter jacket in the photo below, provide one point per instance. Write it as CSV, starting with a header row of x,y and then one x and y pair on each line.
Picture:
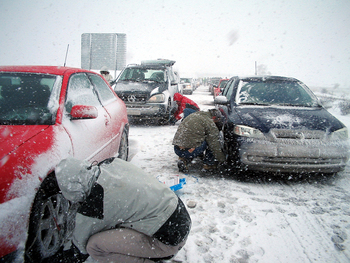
x,y
122,196
182,103
197,128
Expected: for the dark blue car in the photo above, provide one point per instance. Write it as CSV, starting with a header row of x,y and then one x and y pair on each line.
x,y
277,124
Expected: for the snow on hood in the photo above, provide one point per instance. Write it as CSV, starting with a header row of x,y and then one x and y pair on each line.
x,y
266,118
75,178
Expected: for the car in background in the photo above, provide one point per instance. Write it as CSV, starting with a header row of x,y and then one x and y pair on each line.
x,y
219,88
213,82
277,124
187,86
196,83
148,89
47,114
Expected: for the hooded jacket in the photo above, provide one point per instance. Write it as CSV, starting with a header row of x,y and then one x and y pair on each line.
x,y
182,103
197,128
122,196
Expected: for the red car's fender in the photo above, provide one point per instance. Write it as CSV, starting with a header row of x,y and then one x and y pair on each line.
x,y
22,172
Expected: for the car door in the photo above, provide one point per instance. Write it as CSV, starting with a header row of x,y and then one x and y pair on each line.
x,y
90,137
114,108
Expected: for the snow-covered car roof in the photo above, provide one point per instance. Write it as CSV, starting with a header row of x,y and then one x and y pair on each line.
x,y
57,70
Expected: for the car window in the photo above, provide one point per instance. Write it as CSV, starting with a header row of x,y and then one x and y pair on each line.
x,y
228,90
223,83
186,80
274,93
143,74
155,75
24,98
80,92
105,93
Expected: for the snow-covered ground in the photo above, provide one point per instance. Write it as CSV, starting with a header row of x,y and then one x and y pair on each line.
x,y
256,220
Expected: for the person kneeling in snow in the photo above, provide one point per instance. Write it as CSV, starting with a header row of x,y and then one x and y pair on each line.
x,y
125,215
198,135
185,106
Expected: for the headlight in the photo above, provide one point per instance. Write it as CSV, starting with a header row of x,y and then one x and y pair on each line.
x,y
247,131
158,98
341,134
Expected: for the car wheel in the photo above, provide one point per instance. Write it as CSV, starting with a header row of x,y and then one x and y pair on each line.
x,y
167,116
123,151
50,222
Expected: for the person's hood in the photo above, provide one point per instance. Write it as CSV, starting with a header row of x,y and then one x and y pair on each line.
x,y
177,96
75,178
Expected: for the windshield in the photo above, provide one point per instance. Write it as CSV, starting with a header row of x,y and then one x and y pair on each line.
x,y
28,98
143,74
274,92
185,80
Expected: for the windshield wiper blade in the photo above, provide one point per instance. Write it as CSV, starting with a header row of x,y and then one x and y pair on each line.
x,y
254,103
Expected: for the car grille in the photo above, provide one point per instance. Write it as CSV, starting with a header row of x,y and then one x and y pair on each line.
x,y
298,134
133,98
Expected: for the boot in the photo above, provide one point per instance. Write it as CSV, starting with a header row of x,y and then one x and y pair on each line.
x,y
182,164
207,167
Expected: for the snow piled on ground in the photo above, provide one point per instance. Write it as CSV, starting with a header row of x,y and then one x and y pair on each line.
x,y
259,219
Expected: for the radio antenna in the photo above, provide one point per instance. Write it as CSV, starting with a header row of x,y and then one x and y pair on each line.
x,y
66,56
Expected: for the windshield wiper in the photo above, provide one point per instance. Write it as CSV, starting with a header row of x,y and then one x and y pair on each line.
x,y
255,103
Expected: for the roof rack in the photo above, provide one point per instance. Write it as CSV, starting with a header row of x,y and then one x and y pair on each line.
x,y
164,62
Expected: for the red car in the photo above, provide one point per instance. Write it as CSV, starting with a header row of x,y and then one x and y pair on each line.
x,y
48,113
219,88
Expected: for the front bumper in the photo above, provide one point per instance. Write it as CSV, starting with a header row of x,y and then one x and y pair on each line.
x,y
146,110
317,157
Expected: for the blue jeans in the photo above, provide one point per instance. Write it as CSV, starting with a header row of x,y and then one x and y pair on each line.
x,y
203,148
188,111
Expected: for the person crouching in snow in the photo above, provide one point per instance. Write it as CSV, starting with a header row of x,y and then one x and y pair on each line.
x,y
185,106
125,215
196,135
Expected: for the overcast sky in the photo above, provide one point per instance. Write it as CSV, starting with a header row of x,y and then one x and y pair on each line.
x,y
309,40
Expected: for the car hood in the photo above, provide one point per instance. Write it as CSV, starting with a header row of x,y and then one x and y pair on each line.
x,y
13,136
136,87
266,118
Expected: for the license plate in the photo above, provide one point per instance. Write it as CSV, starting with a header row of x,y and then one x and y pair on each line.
x,y
133,111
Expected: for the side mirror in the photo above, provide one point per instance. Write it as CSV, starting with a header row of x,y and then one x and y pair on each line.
x,y
174,82
221,100
83,112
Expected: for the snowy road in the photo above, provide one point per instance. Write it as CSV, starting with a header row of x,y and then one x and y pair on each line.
x,y
255,220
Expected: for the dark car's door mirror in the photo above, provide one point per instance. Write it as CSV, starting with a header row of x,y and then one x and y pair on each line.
x,y
83,112
221,100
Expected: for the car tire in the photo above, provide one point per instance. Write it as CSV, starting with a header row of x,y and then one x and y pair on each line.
x,y
123,151
166,119
49,224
